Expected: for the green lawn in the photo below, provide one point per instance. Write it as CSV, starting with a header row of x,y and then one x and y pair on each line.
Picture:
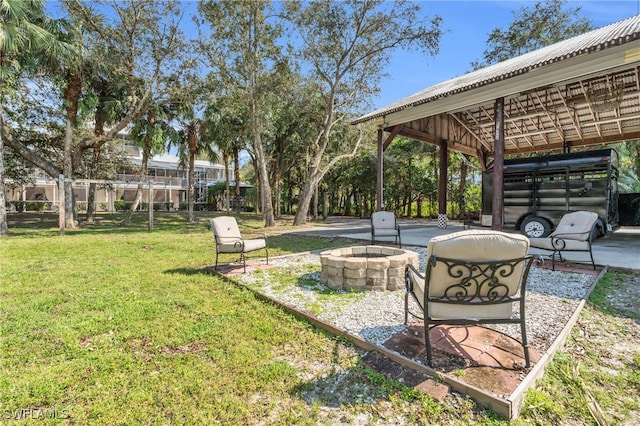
x,y
110,325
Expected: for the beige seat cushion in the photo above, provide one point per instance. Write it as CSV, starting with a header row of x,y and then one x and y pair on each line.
x,y
576,226
383,222
386,232
225,229
564,244
228,238
574,230
477,246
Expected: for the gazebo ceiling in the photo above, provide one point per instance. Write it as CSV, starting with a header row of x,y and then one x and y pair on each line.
x,y
582,91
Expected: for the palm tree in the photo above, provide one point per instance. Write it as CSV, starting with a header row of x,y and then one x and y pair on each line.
x,y
213,132
629,182
190,147
225,128
186,102
150,133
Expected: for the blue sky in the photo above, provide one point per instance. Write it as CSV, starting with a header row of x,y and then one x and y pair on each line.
x,y
467,25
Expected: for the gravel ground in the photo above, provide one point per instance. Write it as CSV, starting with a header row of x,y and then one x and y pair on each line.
x,y
552,297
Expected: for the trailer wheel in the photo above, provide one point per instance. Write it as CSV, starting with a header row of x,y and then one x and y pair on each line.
x,y
535,227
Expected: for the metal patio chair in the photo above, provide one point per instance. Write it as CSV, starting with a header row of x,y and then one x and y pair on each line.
x,y
574,233
229,239
472,277
384,224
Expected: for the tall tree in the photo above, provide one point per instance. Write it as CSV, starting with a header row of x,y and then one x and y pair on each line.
x,y
188,99
346,45
226,129
292,124
533,27
103,102
137,41
25,40
242,50
134,46
150,133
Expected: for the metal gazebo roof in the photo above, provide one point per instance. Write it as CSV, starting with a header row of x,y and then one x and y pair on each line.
x,y
578,92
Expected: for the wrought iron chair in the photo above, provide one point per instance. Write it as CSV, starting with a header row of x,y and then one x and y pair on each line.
x,y
384,224
229,239
574,233
472,277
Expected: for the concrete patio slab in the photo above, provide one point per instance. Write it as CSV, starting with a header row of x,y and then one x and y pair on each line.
x,y
619,249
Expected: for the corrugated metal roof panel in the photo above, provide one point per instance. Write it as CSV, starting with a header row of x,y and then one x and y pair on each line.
x,y
611,35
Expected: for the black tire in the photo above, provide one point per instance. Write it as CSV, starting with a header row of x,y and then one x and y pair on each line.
x,y
598,230
535,227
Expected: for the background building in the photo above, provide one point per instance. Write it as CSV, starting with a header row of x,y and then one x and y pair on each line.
x,y
167,174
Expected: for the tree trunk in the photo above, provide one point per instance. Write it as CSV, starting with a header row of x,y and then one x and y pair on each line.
x,y
290,201
143,174
91,203
258,186
91,199
317,173
315,203
267,203
304,202
277,189
69,222
192,141
138,198
4,228
236,173
462,205
277,177
71,100
227,188
98,130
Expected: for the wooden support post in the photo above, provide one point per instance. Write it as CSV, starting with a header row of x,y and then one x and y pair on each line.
x,y
380,171
497,203
442,184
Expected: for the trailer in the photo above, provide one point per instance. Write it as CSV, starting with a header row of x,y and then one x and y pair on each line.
x,y
539,190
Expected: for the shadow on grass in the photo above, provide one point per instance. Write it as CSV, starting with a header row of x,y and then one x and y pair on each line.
x,y
188,271
46,224
28,224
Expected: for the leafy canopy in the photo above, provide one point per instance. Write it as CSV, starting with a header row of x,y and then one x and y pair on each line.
x,y
532,28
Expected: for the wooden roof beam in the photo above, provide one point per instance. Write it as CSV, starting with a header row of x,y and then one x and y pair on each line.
x,y
471,132
414,134
594,115
457,146
430,139
488,135
392,134
553,118
585,142
635,116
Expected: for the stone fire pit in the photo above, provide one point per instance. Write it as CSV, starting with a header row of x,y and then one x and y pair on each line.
x,y
363,268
